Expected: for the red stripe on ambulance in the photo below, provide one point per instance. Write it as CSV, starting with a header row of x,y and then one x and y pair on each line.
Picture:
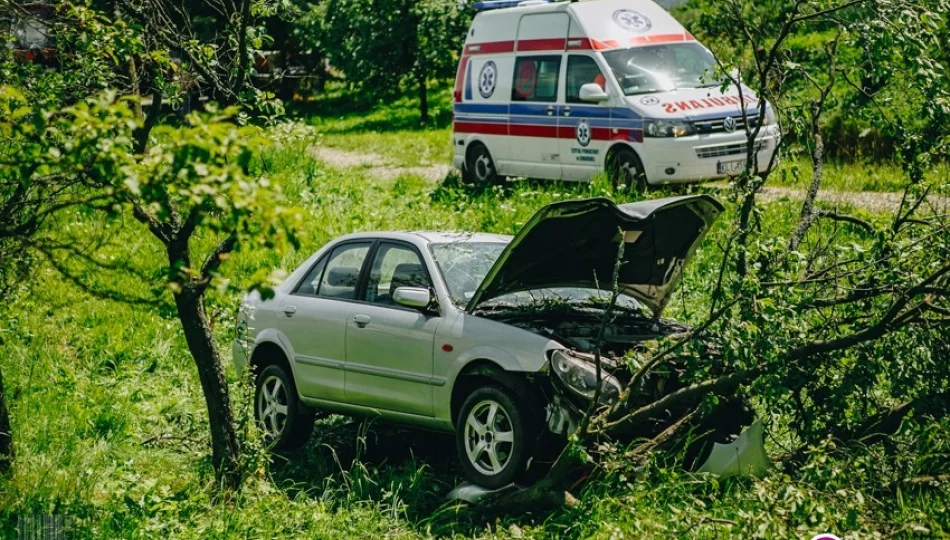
x,y
572,44
548,132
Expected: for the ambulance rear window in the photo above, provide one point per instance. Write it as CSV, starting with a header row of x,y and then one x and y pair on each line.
x,y
536,78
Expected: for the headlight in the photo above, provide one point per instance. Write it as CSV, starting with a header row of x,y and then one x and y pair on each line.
x,y
580,376
667,128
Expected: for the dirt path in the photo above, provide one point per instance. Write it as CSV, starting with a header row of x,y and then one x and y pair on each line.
x,y
378,166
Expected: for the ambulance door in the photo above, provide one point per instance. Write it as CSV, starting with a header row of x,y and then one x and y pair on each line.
x,y
536,94
584,126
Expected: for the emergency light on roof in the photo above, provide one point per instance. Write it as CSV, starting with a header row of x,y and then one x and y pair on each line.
x,y
488,5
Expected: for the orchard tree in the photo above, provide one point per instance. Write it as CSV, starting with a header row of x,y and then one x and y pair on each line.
x,y
380,46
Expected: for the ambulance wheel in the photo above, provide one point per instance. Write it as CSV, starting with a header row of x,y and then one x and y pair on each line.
x,y
626,169
479,166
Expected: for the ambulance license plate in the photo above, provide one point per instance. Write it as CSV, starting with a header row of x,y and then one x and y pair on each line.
x,y
730,167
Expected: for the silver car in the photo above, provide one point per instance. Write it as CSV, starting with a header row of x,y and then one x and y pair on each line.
x,y
483,335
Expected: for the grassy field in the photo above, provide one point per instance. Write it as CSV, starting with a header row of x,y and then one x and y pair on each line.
x,y
110,421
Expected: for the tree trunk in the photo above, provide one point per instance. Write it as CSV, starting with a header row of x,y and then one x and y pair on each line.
x,y
6,433
423,98
201,344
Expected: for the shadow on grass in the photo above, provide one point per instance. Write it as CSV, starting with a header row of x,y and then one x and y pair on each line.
x,y
392,467
341,110
358,460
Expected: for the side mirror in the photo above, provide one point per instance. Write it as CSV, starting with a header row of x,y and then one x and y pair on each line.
x,y
593,93
414,297
734,74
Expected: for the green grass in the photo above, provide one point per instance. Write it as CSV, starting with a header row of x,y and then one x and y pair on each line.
x,y
390,128
111,428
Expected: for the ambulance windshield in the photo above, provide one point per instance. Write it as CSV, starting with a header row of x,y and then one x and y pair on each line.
x,y
662,68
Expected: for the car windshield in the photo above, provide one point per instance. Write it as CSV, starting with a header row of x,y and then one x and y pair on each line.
x,y
464,265
662,68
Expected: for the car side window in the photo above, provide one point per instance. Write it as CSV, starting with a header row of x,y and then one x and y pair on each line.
x,y
342,273
536,78
311,283
395,266
582,70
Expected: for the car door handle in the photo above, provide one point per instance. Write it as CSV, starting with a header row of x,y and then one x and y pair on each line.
x,y
567,111
361,320
550,110
290,310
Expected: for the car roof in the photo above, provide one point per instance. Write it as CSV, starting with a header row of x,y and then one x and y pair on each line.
x,y
431,237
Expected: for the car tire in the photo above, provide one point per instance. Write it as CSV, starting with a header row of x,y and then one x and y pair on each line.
x,y
625,169
285,421
493,437
480,167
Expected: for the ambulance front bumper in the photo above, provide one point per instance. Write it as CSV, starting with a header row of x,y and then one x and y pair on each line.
x,y
703,157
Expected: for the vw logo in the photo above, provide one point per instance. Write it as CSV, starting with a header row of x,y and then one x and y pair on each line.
x,y
582,132
631,20
486,79
729,124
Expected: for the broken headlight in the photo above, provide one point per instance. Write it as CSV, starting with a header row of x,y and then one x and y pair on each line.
x,y
580,376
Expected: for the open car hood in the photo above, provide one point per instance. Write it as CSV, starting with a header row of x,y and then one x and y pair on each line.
x,y
574,244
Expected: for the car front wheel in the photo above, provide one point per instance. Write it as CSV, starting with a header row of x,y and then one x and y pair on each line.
x,y
626,170
492,436
479,166
286,423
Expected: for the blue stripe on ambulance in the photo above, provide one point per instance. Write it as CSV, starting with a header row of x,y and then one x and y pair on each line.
x,y
468,82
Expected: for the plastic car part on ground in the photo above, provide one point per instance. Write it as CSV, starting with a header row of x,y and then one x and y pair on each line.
x,y
743,457
474,494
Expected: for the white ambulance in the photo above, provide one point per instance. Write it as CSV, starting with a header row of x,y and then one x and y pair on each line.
x,y
568,89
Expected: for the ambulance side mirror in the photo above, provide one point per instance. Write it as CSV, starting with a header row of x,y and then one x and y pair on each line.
x,y
593,93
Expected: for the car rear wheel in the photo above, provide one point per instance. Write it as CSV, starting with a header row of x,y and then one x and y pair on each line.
x,y
492,437
626,171
286,423
479,166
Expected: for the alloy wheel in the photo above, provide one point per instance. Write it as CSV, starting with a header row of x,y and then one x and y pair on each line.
x,y
272,406
489,437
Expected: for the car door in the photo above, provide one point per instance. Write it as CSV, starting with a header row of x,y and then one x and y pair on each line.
x,y
584,128
389,348
533,121
316,313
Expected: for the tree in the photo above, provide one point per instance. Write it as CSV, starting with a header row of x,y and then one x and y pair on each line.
x,y
382,45
832,327
194,193
188,185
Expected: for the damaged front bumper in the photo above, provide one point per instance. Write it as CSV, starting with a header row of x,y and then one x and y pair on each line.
x,y
744,456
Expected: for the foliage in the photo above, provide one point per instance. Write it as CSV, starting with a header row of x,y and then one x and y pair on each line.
x,y
380,46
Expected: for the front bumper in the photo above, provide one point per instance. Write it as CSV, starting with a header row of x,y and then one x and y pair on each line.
x,y
743,457
697,158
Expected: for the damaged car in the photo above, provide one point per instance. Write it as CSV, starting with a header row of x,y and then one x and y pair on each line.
x,y
490,337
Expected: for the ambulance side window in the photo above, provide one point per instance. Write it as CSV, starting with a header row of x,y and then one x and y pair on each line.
x,y
536,78
582,70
